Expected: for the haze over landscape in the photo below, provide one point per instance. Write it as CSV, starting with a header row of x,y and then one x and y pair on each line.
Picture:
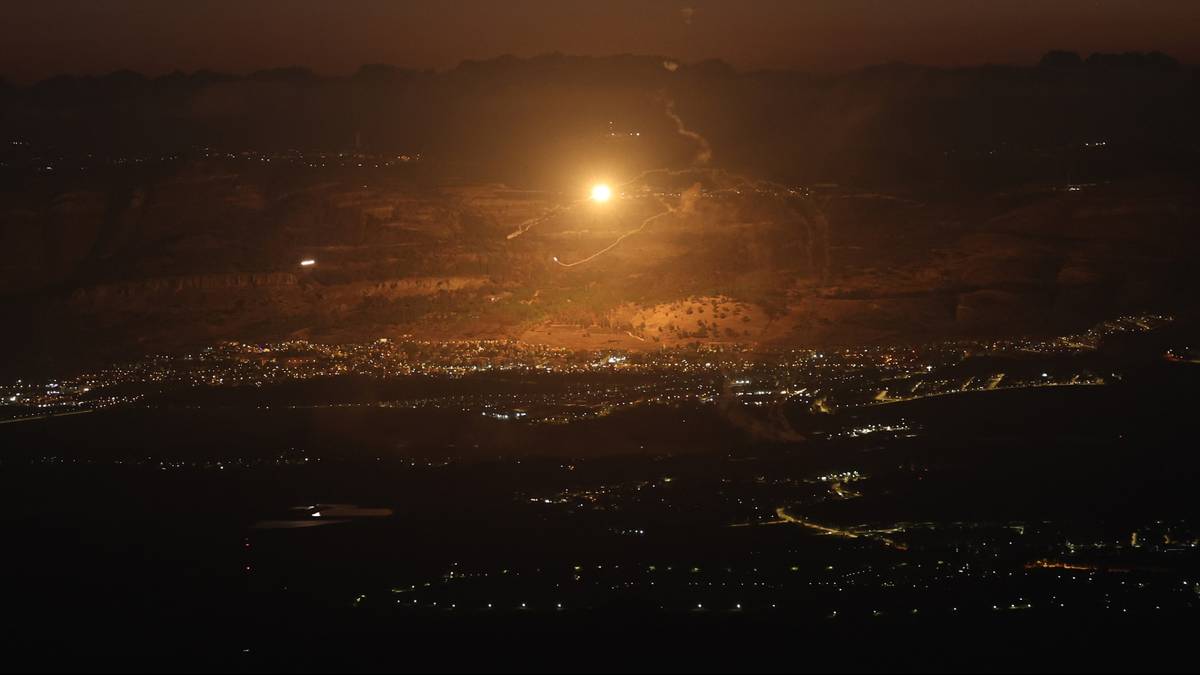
x,y
85,38
335,332
913,202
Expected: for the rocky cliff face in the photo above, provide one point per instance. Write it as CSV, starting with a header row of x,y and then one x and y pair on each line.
x,y
202,252
111,295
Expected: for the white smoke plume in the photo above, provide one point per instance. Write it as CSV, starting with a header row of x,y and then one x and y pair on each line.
x,y
775,427
688,199
704,151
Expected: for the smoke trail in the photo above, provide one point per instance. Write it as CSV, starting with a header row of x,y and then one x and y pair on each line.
x,y
816,233
775,427
703,157
732,182
817,238
704,154
823,230
528,224
688,199
808,243
623,237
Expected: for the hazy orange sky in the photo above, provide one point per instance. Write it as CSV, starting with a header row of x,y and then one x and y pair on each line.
x,y
47,37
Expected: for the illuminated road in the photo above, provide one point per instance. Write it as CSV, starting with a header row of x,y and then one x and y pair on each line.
x,y
878,400
785,518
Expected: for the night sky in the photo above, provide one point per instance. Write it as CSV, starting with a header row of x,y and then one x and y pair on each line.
x,y
40,39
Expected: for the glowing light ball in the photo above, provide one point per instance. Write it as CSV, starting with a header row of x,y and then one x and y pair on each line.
x,y
601,193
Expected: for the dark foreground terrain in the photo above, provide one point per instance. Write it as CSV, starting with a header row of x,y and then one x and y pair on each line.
x,y
939,533
888,370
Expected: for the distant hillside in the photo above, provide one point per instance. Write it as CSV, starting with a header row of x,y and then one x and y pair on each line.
x,y
536,121
903,203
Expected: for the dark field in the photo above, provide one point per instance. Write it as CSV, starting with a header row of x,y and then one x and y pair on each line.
x,y
152,549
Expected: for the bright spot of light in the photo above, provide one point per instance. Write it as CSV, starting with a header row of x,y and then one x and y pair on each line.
x,y
601,193
308,262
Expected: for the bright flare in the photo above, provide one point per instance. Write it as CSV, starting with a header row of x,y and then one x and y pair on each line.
x,y
601,193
